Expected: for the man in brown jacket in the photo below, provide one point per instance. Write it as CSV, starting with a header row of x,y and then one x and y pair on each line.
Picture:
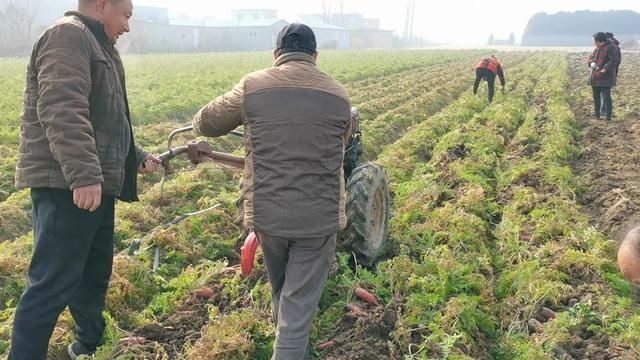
x,y
297,120
77,154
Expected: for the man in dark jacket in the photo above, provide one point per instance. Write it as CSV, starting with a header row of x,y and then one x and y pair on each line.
x,y
603,62
488,69
297,120
77,154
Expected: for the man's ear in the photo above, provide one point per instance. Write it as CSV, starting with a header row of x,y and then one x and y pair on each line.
x,y
101,5
315,55
276,54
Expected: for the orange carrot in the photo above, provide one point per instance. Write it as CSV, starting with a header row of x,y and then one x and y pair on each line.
x,y
366,296
249,253
133,340
326,345
204,293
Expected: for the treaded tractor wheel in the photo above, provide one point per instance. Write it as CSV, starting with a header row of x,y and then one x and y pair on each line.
x,y
368,205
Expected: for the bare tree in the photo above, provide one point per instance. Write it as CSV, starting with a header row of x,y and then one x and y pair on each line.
x,y
17,29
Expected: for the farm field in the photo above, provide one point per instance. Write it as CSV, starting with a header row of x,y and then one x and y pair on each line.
x,y
503,225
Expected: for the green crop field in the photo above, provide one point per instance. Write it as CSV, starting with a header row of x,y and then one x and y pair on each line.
x,y
502,227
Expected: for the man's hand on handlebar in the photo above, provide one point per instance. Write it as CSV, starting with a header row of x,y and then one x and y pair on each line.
x,y
150,165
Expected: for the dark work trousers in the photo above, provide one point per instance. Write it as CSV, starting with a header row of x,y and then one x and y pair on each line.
x,y
602,101
298,271
71,266
491,81
604,105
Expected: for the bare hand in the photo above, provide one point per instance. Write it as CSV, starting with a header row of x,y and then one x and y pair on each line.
x,y
88,197
604,71
150,165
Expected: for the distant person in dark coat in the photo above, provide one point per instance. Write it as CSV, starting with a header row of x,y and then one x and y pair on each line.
x,y
604,62
611,38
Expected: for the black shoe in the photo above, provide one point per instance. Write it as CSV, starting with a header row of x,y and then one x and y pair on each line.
x,y
77,349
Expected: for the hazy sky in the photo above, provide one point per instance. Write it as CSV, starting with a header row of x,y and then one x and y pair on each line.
x,y
451,21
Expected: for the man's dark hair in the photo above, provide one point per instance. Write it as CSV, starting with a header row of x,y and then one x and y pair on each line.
x,y
600,37
296,38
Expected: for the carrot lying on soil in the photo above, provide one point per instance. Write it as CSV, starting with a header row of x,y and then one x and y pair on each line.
x,y
133,340
326,345
366,296
204,293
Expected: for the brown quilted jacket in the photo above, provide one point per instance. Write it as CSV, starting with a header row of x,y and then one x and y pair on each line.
x,y
297,120
75,127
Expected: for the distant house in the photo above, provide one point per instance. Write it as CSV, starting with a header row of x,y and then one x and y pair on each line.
x,y
371,39
493,41
328,36
354,21
150,37
248,30
362,33
152,14
153,31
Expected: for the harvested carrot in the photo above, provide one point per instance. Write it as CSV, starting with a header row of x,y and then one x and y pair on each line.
x,y
366,296
133,340
327,345
248,253
204,293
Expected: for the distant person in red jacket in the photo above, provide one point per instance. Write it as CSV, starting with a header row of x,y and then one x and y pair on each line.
x,y
488,69
604,62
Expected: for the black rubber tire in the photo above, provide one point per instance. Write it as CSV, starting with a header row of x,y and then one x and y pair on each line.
x,y
368,212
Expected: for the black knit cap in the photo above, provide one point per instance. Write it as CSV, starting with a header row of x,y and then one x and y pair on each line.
x,y
296,38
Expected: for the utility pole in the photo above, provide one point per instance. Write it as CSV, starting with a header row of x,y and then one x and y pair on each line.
x,y
407,34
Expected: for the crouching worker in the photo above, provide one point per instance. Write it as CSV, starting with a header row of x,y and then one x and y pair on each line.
x,y
297,120
488,69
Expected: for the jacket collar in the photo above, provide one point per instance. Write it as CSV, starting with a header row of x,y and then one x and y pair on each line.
x,y
294,56
96,27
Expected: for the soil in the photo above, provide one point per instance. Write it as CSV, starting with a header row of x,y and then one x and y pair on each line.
x,y
168,338
364,338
